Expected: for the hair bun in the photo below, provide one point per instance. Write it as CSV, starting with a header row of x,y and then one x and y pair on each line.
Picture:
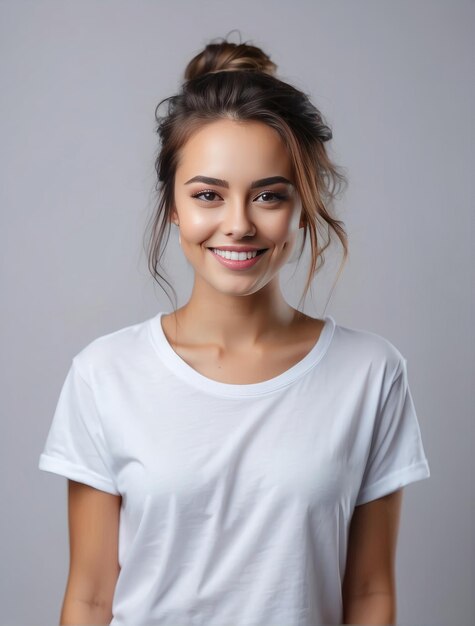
x,y
227,56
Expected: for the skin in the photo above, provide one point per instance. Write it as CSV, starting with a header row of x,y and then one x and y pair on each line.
x,y
237,316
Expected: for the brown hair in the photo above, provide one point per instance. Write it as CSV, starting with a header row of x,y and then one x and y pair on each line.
x,y
238,81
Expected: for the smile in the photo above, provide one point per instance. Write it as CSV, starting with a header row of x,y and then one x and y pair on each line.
x,y
237,256
237,260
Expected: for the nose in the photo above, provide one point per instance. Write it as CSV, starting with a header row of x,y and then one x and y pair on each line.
x,y
236,220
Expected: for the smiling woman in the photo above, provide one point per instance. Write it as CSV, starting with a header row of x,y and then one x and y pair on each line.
x,y
257,453
233,88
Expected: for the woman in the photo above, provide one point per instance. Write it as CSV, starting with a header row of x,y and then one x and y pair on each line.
x,y
236,461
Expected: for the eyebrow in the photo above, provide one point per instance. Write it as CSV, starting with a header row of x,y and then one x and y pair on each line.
x,y
224,183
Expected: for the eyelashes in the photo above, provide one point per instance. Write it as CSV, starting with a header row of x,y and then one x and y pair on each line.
x,y
277,196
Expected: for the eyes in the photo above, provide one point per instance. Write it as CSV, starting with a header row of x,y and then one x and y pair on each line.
x,y
274,197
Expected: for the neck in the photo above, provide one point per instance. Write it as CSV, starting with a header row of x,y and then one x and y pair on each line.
x,y
230,321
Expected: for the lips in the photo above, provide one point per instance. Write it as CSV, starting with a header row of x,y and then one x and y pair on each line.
x,y
237,249
237,264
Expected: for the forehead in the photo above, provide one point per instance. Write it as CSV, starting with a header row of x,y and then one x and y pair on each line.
x,y
234,150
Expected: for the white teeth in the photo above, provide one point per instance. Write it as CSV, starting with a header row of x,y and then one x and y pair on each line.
x,y
235,256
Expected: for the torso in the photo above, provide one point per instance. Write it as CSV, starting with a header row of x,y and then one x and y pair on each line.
x,y
245,368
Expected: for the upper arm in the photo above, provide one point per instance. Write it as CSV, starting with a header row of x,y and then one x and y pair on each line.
x,y
93,540
370,565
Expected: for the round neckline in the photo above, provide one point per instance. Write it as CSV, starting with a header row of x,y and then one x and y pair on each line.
x,y
184,371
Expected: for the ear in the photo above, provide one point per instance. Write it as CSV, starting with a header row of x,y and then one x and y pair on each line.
x,y
303,220
174,216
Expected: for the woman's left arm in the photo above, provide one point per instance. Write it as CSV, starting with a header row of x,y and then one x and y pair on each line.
x,y
369,587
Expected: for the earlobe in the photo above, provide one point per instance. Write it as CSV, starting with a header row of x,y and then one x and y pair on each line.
x,y
174,217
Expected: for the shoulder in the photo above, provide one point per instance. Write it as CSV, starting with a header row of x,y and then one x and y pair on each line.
x,y
117,350
362,349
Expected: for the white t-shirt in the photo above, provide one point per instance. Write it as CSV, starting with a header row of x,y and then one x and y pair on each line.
x,y
236,499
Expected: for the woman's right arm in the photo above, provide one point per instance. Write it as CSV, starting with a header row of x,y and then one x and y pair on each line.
x,y
93,568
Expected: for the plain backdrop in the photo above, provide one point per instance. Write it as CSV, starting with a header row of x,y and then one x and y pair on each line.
x,y
79,82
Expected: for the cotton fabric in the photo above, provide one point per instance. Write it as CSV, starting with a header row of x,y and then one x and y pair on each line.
x,y
236,499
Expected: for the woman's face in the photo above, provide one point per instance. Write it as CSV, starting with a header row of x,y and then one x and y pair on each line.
x,y
238,209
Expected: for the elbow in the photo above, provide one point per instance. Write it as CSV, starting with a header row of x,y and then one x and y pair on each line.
x,y
370,608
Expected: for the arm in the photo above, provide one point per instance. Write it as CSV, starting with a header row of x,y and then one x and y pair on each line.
x,y
77,612
369,588
93,570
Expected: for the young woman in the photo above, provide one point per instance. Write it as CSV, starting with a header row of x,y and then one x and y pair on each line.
x,y
236,461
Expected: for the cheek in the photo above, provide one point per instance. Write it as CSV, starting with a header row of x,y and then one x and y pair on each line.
x,y
196,226
281,227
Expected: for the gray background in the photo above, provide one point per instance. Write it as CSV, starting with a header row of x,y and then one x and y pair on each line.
x,y
79,83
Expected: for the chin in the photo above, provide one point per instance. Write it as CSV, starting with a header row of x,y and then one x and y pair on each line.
x,y
227,291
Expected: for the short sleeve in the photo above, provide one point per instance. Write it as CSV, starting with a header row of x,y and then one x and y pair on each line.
x,y
75,446
397,455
